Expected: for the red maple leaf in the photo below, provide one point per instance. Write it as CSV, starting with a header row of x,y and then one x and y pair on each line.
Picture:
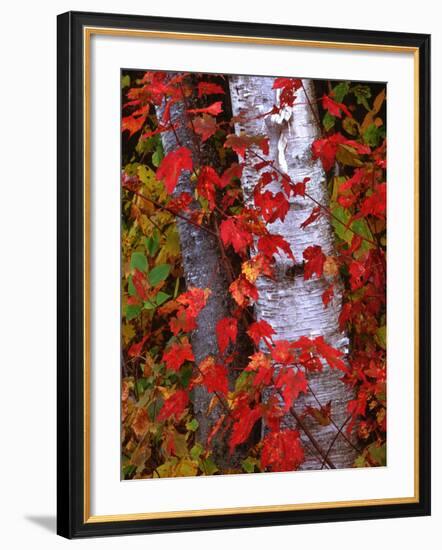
x,y
282,352
135,349
334,108
214,376
291,385
139,280
209,88
262,367
376,203
288,88
184,321
174,406
332,355
285,82
314,215
208,180
226,332
327,148
358,274
272,206
246,419
134,122
282,451
328,295
172,165
177,354
270,244
243,292
205,126
191,303
260,329
347,200
314,261
240,144
233,172
295,189
355,180
273,413
345,315
234,232
194,299
180,203
214,109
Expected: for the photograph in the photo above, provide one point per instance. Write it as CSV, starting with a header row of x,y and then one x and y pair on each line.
x,y
253,274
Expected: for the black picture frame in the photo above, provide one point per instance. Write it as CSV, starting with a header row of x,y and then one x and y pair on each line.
x,y
71,522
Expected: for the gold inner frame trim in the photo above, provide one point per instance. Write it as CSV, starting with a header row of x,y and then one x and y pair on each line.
x,y
87,34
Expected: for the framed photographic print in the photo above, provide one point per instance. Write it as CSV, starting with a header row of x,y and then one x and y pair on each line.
x,y
243,309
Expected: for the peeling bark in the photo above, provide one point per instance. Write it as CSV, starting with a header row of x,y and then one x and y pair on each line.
x,y
290,304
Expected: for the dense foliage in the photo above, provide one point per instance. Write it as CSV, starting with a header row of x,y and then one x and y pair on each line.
x,y
159,313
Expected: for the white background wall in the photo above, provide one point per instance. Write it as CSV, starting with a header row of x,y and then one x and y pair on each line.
x,y
28,244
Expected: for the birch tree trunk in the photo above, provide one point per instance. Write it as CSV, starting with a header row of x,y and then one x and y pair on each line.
x,y
291,305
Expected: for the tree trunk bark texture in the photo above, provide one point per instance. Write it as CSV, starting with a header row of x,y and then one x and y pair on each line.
x,y
293,306
203,268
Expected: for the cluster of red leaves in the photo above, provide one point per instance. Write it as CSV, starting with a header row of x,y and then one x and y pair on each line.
x,y
361,202
245,230
282,451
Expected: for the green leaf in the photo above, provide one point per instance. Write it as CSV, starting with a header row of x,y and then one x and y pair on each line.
x,y
161,297
154,407
166,469
177,288
130,287
196,451
378,453
132,311
360,227
242,380
143,384
362,93
125,81
348,156
328,121
186,468
209,467
192,425
145,174
128,470
340,91
249,464
157,157
152,243
373,135
138,261
360,462
158,273
145,146
351,126
336,183
381,336
186,374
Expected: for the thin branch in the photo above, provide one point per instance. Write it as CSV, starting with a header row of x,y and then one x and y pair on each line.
x,y
332,421
311,107
334,440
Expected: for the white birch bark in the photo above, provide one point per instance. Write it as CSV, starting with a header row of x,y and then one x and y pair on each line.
x,y
291,305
